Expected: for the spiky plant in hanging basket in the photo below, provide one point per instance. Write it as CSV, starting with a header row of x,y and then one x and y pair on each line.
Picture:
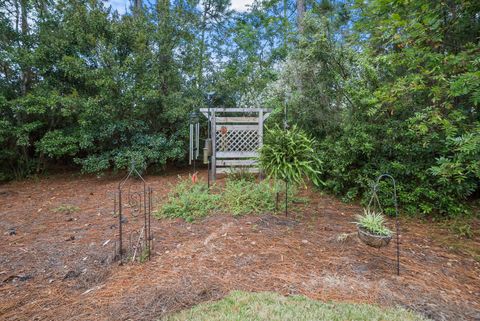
x,y
290,155
372,230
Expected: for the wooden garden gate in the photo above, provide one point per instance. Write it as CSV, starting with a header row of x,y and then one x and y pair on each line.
x,y
236,134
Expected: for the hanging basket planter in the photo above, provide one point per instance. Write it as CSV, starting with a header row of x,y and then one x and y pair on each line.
x,y
371,226
374,240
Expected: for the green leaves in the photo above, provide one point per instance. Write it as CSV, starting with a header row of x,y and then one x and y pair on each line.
x,y
399,94
373,222
57,143
100,94
238,197
290,155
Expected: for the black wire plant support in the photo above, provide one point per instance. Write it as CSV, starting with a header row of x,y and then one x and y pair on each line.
x,y
285,130
139,203
374,199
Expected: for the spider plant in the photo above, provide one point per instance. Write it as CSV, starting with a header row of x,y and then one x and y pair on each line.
x,y
373,222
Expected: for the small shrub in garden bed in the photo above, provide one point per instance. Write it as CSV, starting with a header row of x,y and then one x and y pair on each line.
x,y
242,197
189,201
241,173
461,226
238,197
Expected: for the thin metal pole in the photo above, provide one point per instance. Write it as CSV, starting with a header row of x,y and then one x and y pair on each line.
x,y
209,167
285,127
145,213
149,222
120,224
277,195
114,215
208,173
397,224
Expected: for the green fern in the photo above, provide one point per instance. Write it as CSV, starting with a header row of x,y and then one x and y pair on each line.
x,y
290,155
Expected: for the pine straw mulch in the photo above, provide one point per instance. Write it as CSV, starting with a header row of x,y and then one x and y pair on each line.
x,y
47,275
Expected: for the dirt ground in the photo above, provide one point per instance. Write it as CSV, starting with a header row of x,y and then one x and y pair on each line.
x,y
59,266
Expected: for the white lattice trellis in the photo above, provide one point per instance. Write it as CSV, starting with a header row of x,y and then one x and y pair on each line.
x,y
236,137
237,140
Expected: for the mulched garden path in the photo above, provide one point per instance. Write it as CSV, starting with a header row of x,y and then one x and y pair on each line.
x,y
59,266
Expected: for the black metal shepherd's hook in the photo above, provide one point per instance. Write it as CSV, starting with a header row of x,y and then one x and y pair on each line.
x,y
394,197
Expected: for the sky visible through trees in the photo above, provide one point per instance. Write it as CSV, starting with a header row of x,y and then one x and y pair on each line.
x,y
122,5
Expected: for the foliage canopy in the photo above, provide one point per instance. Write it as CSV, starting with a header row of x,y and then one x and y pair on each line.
x,y
382,86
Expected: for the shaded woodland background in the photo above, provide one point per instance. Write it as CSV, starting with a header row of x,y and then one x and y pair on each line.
x,y
384,86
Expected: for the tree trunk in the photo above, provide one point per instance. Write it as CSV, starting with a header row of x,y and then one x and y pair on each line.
x,y
165,43
202,46
300,14
17,16
137,4
26,73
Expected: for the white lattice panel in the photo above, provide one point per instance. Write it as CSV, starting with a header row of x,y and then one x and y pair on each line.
x,y
236,133
237,140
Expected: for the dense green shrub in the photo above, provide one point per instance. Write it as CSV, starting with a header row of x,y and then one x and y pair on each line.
x,y
85,86
433,177
406,104
290,155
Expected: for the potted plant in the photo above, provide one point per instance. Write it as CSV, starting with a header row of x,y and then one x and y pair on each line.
x,y
372,230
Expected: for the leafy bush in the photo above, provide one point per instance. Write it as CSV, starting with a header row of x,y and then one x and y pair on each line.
x,y
290,155
238,197
101,115
189,201
242,197
399,106
373,223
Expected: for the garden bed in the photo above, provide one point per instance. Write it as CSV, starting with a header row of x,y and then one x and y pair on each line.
x,y
57,265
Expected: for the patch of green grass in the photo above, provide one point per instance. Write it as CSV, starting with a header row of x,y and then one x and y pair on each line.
x,y
238,197
66,209
271,306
